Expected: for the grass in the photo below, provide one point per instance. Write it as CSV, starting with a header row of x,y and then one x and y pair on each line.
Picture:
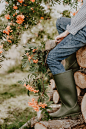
x,y
11,91
14,68
20,117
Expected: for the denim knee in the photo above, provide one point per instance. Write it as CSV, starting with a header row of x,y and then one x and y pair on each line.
x,y
50,58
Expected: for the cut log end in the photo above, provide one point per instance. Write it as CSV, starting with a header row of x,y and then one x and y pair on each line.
x,y
81,57
39,115
55,97
80,79
52,84
40,126
83,107
54,107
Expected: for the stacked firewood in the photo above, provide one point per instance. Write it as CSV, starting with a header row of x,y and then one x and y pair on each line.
x,y
80,80
80,77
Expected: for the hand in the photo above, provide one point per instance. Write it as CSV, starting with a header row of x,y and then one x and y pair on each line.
x,y
60,37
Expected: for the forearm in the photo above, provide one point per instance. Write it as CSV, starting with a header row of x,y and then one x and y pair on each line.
x,y
64,34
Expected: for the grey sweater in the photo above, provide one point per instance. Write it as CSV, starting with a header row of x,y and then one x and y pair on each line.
x,y
78,21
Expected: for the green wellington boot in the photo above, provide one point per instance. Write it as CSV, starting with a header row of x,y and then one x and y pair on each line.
x,y
71,63
68,94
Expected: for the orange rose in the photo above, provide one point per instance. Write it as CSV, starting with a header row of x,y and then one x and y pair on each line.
x,y
7,16
35,61
20,19
8,28
0,52
29,58
27,54
6,32
9,41
42,17
15,7
20,1
32,0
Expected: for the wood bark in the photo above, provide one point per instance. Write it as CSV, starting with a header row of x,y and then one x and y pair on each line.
x,y
55,96
80,79
83,107
81,57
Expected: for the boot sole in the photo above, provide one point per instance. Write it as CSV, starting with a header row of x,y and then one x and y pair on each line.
x,y
73,116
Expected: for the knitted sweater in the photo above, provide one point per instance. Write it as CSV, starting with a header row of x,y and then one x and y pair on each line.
x,y
78,21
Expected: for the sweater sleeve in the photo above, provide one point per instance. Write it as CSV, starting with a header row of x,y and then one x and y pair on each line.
x,y
78,21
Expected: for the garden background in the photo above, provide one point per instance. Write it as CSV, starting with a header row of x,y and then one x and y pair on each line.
x,y
14,108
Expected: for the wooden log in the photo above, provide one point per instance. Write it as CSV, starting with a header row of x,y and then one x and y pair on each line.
x,y
50,44
40,126
80,79
61,124
39,115
78,90
54,107
81,57
83,107
50,95
55,96
52,84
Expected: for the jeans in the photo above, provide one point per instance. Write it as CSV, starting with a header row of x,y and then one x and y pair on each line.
x,y
69,45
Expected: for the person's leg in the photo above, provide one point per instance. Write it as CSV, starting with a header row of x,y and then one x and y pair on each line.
x,y
71,61
62,23
64,79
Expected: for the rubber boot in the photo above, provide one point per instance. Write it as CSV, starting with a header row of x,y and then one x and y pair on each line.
x,y
68,94
71,63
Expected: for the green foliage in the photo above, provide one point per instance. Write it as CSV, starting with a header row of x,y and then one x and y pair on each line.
x,y
20,118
